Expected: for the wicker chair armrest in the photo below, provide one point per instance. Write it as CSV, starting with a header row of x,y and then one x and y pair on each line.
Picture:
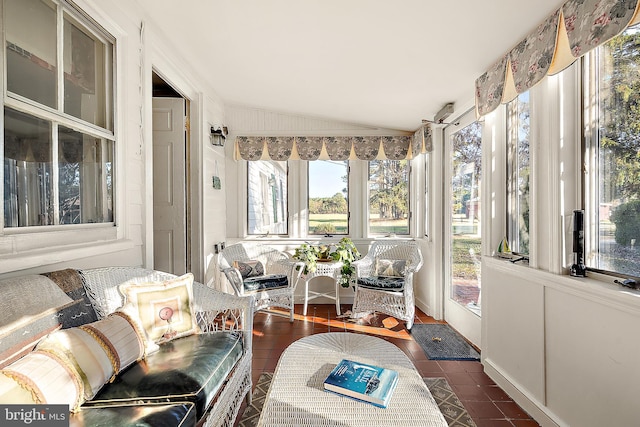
x,y
219,311
290,267
364,267
235,278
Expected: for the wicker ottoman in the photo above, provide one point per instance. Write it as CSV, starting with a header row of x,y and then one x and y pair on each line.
x,y
296,396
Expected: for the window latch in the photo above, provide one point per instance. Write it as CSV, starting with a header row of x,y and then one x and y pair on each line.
x,y
627,283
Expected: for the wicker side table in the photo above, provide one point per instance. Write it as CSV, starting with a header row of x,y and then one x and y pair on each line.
x,y
296,396
326,269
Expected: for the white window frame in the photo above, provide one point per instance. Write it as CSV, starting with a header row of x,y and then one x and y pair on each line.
x,y
23,247
513,175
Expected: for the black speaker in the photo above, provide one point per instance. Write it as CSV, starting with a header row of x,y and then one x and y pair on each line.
x,y
578,269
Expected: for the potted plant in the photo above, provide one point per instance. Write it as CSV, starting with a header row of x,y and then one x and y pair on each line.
x,y
344,251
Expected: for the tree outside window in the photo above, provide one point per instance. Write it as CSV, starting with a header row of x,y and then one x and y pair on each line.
x,y
389,197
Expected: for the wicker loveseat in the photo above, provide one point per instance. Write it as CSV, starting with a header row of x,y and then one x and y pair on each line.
x,y
198,379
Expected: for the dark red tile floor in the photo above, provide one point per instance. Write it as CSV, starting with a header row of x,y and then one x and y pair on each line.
x,y
487,404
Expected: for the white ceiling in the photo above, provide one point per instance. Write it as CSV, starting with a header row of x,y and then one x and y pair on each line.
x,y
383,63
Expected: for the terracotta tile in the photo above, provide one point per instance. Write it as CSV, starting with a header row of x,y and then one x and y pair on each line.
x,y
512,410
525,423
473,366
484,410
481,378
470,392
428,368
459,378
488,422
451,365
495,393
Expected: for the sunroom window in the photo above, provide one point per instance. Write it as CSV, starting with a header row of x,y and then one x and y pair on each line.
x,y
328,197
389,211
58,116
519,172
612,181
267,198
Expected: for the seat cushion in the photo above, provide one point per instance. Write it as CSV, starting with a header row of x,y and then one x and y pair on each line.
x,y
149,415
270,281
191,368
382,283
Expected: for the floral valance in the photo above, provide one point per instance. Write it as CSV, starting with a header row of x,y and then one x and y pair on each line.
x,y
281,148
573,30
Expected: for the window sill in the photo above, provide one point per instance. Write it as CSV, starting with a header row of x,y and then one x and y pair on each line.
x,y
60,254
595,287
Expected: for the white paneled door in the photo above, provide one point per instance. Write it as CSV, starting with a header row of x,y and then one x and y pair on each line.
x,y
169,205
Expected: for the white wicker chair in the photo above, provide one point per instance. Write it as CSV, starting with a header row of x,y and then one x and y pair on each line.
x,y
371,294
275,262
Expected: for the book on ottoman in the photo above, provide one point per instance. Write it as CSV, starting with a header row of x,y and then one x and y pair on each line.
x,y
361,381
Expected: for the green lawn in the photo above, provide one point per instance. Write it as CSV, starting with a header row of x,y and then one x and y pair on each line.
x,y
339,222
463,266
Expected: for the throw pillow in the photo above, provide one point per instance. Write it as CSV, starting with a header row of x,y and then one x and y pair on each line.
x,y
251,268
81,311
163,309
390,267
41,377
30,308
97,351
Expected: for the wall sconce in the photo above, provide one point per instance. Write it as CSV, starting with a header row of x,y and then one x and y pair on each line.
x,y
218,135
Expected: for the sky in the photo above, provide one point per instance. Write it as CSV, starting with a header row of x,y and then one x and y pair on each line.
x,y
325,178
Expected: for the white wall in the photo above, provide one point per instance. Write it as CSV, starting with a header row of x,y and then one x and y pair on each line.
x,y
565,348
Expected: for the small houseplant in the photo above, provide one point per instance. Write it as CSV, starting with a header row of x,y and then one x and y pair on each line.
x,y
344,251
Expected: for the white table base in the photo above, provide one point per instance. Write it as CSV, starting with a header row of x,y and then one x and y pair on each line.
x,y
323,269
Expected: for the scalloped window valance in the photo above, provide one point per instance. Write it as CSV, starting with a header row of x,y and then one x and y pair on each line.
x,y
572,31
281,148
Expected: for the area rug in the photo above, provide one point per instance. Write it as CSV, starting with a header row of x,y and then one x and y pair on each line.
x,y
441,342
454,413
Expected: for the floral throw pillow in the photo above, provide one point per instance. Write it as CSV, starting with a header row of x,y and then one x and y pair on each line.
x,y
390,267
163,309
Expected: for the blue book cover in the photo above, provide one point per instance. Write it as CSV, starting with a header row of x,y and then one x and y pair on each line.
x,y
364,382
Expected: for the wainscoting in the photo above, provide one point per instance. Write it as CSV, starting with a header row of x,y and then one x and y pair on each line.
x,y
566,349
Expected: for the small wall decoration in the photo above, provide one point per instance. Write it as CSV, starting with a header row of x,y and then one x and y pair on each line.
x,y
217,184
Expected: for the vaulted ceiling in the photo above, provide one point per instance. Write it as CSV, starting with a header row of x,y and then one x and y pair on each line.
x,y
381,63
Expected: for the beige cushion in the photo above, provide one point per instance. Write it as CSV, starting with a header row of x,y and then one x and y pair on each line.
x,y
98,350
41,377
163,308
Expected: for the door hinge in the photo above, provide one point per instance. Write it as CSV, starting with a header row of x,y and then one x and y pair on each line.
x,y
187,124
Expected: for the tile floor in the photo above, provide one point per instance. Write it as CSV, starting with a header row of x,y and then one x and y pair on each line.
x,y
487,404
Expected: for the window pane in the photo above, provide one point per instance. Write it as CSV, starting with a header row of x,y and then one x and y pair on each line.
x,y
86,186
328,197
618,145
86,80
267,201
27,170
466,177
389,197
31,50
518,197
